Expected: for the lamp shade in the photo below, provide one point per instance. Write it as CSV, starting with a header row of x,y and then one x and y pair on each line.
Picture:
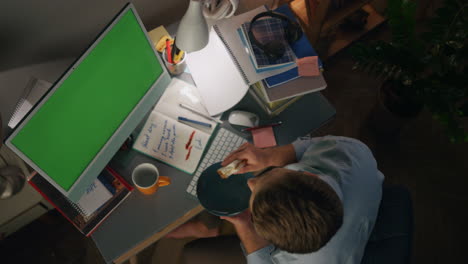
x,y
192,34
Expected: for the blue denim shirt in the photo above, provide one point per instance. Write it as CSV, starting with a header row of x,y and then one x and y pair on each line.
x,y
349,167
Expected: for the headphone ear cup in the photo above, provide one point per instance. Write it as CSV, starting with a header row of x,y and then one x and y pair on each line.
x,y
274,50
293,32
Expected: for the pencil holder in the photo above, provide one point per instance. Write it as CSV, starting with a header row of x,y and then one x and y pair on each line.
x,y
174,68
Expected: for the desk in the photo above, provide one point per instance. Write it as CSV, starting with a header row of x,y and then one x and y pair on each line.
x,y
142,220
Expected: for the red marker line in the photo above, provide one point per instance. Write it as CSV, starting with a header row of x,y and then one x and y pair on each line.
x,y
189,142
188,153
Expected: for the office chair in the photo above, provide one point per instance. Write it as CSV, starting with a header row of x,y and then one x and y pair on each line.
x,y
391,238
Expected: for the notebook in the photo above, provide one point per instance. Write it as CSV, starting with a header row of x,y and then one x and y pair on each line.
x,y
227,31
107,192
95,196
266,30
175,143
222,71
258,92
302,48
296,87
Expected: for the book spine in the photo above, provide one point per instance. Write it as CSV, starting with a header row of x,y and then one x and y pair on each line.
x,y
259,101
119,178
236,62
286,105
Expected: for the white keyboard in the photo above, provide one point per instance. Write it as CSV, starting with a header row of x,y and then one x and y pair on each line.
x,y
224,143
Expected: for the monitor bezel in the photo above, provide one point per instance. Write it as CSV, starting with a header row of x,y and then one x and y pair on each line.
x,y
119,136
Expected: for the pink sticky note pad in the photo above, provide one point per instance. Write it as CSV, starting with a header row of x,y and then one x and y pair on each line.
x,y
264,137
308,66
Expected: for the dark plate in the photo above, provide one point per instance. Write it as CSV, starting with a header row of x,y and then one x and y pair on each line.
x,y
223,197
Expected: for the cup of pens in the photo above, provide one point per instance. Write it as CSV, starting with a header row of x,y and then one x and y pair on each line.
x,y
174,61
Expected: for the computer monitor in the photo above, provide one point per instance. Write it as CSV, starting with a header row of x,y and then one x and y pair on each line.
x,y
78,126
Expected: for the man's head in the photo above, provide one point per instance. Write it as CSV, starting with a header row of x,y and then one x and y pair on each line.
x,y
296,211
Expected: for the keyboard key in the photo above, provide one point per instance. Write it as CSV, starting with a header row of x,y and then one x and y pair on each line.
x,y
224,143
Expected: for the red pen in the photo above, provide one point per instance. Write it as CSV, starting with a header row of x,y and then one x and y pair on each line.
x,y
168,51
262,126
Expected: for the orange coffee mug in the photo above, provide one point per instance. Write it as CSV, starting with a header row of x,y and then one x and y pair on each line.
x,y
147,180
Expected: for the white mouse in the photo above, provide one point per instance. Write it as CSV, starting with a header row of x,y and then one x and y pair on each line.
x,y
243,118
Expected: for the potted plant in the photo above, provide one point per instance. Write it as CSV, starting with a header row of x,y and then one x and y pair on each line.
x,y
426,69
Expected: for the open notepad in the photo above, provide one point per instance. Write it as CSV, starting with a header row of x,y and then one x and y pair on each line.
x,y
170,141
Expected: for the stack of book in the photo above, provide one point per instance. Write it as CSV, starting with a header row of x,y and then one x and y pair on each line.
x,y
272,108
100,200
275,93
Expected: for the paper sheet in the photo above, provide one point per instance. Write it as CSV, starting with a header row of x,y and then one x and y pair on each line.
x,y
216,76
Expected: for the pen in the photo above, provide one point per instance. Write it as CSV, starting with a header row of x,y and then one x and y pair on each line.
x,y
198,113
174,50
262,126
184,119
168,51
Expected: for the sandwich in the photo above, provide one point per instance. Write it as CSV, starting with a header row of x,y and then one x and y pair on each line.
x,y
233,167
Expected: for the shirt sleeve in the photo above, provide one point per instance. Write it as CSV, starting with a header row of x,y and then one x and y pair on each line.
x,y
302,144
261,256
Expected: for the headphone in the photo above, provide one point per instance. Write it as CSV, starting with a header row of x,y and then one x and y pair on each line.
x,y
219,9
275,49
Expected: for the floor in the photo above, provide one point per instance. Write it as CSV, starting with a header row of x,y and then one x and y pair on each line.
x,y
421,158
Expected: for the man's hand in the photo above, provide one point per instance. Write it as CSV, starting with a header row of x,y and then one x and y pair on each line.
x,y
193,229
242,221
246,231
258,158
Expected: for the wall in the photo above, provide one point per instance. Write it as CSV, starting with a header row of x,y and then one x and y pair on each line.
x,y
35,31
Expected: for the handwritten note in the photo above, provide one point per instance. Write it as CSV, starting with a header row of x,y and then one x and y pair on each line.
x,y
95,196
172,142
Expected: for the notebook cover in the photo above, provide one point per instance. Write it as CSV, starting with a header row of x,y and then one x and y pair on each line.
x,y
267,30
282,67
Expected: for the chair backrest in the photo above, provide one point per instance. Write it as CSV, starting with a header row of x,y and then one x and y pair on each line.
x,y
391,238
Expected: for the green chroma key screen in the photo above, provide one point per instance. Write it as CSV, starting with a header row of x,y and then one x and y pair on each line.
x,y
65,134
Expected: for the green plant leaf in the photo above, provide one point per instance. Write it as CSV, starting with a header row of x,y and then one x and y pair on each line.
x,y
431,65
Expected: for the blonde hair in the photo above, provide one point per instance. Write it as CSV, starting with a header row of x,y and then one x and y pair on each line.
x,y
298,213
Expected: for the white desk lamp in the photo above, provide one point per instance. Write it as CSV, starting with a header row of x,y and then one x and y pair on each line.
x,y
192,34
